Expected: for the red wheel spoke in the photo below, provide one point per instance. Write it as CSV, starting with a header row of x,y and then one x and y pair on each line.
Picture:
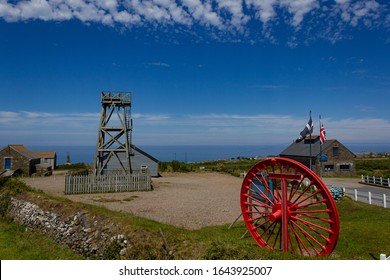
x,y
299,241
262,224
307,197
261,204
320,202
266,182
308,236
260,192
301,212
307,223
302,193
329,221
295,189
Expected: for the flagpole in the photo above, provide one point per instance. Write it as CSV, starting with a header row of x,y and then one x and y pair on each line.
x,y
310,143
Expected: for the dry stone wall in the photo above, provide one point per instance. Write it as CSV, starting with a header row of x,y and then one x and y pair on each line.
x,y
86,235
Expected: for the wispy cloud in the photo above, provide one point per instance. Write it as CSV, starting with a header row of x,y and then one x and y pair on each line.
x,y
225,16
28,127
159,64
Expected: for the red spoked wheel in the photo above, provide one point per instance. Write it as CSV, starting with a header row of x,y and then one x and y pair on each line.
x,y
287,207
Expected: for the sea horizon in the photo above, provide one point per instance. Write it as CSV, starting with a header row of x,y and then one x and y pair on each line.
x,y
190,153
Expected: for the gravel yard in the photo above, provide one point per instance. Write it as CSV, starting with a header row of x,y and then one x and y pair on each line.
x,y
188,200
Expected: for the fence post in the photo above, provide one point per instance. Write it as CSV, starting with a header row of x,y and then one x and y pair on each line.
x,y
369,198
362,178
388,182
356,197
384,200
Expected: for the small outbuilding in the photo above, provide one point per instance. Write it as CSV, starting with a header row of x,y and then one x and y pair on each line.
x,y
331,158
140,160
19,159
48,159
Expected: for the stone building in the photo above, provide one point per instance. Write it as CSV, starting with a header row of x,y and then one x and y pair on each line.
x,y
18,159
329,159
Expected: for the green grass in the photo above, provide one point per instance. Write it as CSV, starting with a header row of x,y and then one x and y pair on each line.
x,y
364,235
18,244
364,231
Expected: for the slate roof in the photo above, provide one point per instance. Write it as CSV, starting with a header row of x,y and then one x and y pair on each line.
x,y
302,149
144,153
24,151
46,154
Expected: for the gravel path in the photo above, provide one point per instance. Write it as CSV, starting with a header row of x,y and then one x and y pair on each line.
x,y
188,200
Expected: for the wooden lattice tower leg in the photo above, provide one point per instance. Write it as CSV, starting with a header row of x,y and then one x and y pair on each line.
x,y
114,147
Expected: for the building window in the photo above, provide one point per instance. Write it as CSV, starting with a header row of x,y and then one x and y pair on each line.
x,y
345,167
336,151
329,167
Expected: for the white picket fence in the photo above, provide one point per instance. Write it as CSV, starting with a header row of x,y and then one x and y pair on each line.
x,y
368,197
79,184
378,181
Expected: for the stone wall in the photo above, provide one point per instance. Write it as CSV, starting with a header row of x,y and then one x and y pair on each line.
x,y
86,235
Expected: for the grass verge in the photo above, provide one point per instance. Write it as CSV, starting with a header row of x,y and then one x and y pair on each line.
x,y
16,243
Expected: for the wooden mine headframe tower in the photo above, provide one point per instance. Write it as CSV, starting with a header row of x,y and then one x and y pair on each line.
x,y
114,147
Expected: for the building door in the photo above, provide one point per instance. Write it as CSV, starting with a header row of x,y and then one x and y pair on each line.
x,y
7,163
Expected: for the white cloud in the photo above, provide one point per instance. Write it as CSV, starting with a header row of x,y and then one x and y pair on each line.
x,y
359,11
221,129
160,64
299,8
264,9
214,15
238,18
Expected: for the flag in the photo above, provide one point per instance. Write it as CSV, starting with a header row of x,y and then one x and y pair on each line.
x,y
322,134
307,130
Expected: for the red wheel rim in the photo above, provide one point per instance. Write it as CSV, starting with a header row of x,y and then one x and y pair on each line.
x,y
287,207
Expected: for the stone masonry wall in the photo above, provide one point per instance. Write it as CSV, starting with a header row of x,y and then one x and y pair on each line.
x,y
86,235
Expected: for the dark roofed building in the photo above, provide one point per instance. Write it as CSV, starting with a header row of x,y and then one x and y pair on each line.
x,y
334,160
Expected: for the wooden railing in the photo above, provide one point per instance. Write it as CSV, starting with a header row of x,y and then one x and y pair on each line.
x,y
79,184
368,197
377,181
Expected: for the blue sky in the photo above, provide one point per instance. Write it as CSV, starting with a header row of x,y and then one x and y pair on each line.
x,y
201,72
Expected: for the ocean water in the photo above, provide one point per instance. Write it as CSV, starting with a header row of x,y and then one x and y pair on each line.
x,y
86,154
191,153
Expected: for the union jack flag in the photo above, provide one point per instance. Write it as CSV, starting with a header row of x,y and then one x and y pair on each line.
x,y
322,134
